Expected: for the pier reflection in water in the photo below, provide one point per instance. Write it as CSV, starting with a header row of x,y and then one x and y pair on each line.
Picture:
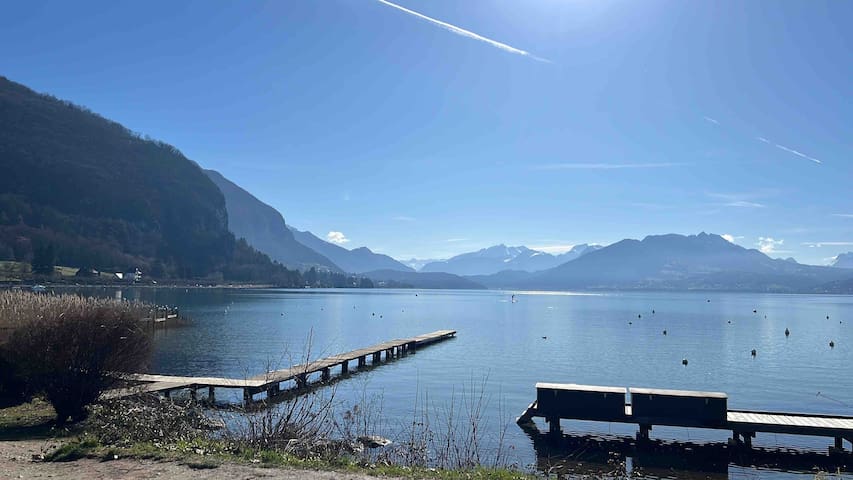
x,y
617,456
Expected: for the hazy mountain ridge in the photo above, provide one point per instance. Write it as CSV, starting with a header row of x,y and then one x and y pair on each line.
x,y
430,280
702,262
264,227
357,260
843,260
491,260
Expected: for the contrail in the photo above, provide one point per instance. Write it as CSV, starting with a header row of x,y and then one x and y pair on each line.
x,y
799,154
466,33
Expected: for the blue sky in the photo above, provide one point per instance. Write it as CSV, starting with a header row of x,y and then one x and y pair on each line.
x,y
623,118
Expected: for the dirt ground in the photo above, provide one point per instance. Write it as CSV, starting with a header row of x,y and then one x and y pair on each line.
x,y
16,462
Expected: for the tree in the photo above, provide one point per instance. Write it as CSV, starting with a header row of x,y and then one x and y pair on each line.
x,y
311,277
44,259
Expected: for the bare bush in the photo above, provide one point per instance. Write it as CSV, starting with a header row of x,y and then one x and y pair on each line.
x,y
69,348
301,426
451,435
148,418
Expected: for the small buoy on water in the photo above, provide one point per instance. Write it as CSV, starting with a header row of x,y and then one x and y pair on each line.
x,y
630,323
709,300
373,314
753,352
639,316
653,310
544,338
380,316
755,311
787,332
730,321
827,317
684,362
831,344
664,332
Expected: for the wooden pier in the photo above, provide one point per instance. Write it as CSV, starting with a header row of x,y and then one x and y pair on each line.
x,y
270,382
679,408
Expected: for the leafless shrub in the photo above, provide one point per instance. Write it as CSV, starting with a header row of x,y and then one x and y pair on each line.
x,y
69,348
148,418
451,435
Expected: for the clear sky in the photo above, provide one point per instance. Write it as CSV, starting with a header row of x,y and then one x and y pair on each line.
x,y
539,122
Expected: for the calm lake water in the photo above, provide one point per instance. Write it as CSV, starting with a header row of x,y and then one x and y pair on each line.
x,y
602,339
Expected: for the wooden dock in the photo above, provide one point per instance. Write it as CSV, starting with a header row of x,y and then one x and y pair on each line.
x,y
270,382
680,408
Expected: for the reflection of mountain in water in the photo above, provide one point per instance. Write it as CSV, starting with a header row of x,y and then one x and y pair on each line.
x,y
613,456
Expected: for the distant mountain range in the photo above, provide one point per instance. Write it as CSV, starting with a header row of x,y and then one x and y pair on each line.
x,y
357,260
79,190
501,257
414,279
264,228
843,260
674,262
418,263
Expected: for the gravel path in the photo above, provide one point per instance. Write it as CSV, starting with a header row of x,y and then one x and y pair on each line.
x,y
16,462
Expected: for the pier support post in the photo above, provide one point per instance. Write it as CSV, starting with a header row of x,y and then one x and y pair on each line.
x,y
273,390
838,448
247,396
747,438
643,434
554,425
301,380
345,367
326,374
362,361
167,394
211,395
377,357
193,394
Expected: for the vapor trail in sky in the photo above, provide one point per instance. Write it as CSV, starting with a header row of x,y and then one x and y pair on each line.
x,y
466,33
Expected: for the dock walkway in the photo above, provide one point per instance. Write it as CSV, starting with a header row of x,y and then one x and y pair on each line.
x,y
270,382
681,408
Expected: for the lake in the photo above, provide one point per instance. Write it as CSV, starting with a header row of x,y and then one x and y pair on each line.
x,y
505,348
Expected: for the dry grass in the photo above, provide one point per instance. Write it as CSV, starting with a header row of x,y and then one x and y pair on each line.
x,y
19,307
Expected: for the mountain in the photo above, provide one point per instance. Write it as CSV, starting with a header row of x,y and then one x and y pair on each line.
x,y
500,257
264,227
101,195
843,260
411,279
418,263
357,260
505,279
702,262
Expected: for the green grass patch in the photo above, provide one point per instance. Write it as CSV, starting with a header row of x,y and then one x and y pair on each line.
x,y
72,451
35,419
208,454
36,412
66,271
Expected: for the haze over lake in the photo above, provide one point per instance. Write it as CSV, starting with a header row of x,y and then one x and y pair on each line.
x,y
601,339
